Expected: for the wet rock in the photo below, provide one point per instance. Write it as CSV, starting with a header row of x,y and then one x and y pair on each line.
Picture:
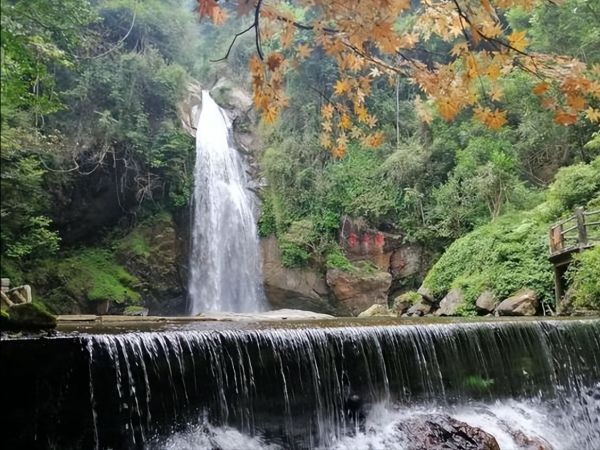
x,y
441,432
523,303
377,310
358,291
525,442
486,302
450,303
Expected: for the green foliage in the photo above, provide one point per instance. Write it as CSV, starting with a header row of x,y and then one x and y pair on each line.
x,y
584,279
336,259
410,297
89,275
476,382
574,186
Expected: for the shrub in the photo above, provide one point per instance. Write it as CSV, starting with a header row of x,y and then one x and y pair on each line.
x,y
584,276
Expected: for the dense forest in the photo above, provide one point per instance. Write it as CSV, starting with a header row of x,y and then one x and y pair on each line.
x,y
97,167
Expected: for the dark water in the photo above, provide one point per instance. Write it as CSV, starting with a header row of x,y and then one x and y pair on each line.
x,y
301,387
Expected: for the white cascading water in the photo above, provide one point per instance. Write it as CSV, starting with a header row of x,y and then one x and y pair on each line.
x,y
225,266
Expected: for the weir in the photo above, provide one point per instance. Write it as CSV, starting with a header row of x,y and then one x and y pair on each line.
x,y
298,387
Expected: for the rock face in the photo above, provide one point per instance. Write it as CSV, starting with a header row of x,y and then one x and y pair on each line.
x,y
440,432
358,292
523,303
450,303
486,302
291,288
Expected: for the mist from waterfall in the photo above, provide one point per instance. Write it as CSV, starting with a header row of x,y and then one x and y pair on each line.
x,y
225,265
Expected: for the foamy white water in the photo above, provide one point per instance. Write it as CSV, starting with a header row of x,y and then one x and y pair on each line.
x,y
225,266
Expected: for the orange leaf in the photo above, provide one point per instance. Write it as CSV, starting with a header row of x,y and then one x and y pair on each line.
x,y
564,118
274,61
496,120
448,108
304,51
540,88
577,102
244,7
327,110
218,15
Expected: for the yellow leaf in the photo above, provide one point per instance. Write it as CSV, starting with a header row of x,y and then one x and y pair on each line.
x,y
592,114
345,122
517,40
327,110
496,93
342,86
271,114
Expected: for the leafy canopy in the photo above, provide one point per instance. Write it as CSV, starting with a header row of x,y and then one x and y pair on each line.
x,y
386,39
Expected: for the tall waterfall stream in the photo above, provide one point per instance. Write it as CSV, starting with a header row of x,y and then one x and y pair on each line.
x,y
225,264
263,387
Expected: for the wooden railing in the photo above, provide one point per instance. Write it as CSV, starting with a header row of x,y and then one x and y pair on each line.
x,y
581,230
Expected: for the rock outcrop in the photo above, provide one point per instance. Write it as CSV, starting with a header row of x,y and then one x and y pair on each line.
x,y
292,288
356,291
522,303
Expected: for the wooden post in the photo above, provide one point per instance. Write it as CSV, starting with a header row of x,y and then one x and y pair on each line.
x,y
581,231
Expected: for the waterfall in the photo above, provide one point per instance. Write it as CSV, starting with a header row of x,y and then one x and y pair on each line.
x,y
293,388
225,265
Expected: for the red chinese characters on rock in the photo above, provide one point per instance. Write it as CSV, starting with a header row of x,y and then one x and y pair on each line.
x,y
379,240
352,240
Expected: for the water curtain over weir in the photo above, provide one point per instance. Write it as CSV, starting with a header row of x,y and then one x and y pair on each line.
x,y
225,265
306,388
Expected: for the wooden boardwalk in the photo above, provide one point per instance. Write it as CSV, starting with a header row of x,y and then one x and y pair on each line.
x,y
572,235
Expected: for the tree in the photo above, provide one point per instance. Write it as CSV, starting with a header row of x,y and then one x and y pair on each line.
x,y
387,39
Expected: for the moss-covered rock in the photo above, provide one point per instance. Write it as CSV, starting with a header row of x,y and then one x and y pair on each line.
x,y
28,317
503,256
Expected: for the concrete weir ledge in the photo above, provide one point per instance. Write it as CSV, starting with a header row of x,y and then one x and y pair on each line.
x,y
284,318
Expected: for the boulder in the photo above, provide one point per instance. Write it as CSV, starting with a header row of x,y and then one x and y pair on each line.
x,y
377,310
426,294
522,303
403,302
486,302
292,288
358,291
442,432
421,308
450,303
